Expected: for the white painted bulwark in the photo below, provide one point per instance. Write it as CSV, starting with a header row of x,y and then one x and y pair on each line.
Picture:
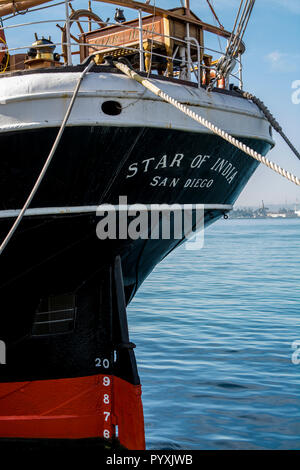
x,y
41,99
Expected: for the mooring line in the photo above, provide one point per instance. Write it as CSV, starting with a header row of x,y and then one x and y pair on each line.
x,y
48,161
223,134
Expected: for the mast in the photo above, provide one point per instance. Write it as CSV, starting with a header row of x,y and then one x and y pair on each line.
x,y
187,6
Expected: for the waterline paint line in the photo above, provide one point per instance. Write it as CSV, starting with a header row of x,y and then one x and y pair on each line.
x,y
38,211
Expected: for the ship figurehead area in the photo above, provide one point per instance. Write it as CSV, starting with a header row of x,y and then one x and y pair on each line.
x,y
64,286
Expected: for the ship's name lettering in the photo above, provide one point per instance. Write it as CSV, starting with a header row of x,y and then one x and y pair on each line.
x,y
225,168
151,163
189,183
220,166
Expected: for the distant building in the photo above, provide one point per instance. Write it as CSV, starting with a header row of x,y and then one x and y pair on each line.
x,y
264,212
275,215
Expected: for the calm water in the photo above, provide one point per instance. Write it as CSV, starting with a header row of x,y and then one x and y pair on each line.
x,y
214,330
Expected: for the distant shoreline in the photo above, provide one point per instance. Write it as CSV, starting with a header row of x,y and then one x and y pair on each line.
x,y
264,212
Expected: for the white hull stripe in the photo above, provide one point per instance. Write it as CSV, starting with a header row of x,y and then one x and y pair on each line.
x,y
10,213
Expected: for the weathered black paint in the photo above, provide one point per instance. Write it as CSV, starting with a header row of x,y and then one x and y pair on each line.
x,y
91,164
50,255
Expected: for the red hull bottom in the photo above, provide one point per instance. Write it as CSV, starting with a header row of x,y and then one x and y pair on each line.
x,y
98,406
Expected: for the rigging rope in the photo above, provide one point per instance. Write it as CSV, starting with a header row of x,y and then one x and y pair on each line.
x,y
269,117
204,122
226,63
241,22
215,14
48,161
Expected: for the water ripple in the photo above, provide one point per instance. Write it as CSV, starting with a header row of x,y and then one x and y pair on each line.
x,y
214,331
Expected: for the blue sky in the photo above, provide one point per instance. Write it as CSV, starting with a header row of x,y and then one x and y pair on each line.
x,y
271,65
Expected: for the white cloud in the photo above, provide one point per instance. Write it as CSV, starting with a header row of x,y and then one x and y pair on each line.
x,y
282,61
276,58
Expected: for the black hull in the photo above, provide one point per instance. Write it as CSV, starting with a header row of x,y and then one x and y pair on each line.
x,y
92,166
59,254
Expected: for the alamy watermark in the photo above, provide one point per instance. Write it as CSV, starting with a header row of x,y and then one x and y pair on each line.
x,y
296,93
296,353
152,221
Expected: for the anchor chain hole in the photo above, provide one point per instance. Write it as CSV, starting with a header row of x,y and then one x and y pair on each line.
x,y
112,108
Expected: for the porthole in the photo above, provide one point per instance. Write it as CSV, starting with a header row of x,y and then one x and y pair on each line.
x,y
112,108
